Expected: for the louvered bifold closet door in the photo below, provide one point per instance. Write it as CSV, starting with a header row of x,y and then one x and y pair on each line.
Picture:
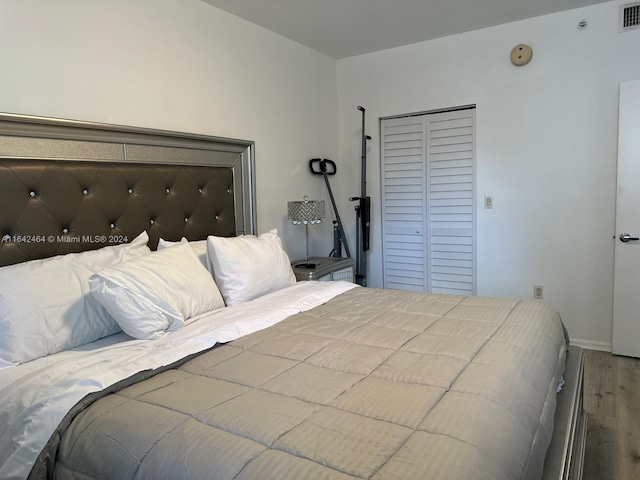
x,y
451,210
428,194
404,203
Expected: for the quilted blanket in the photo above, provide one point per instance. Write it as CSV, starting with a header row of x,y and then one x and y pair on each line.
x,y
374,384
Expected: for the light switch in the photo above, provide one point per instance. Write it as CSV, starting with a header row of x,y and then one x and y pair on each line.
x,y
488,201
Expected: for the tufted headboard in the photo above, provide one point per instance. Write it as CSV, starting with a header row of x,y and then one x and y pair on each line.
x,y
68,186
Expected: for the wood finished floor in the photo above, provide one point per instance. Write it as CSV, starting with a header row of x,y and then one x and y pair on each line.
x,y
612,400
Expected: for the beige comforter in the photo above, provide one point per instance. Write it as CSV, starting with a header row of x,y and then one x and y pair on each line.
x,y
374,384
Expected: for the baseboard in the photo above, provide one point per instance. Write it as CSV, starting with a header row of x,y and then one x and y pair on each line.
x,y
592,344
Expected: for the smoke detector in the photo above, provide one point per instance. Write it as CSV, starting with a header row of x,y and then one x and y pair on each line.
x,y
521,55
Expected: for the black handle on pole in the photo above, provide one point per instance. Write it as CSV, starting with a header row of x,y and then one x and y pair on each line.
x,y
321,164
364,219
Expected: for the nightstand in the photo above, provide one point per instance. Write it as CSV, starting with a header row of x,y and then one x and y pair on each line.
x,y
326,269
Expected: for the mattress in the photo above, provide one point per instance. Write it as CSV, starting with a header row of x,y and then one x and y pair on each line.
x,y
375,384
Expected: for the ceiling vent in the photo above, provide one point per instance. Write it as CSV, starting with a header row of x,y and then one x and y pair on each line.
x,y
629,17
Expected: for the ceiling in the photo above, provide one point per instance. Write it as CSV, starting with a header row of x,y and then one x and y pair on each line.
x,y
345,28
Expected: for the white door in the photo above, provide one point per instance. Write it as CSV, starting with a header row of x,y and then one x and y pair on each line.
x,y
428,202
404,203
626,293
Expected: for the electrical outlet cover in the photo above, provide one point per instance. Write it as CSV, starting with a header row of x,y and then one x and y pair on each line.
x,y
537,291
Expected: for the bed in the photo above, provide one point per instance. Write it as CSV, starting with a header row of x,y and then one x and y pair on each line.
x,y
226,367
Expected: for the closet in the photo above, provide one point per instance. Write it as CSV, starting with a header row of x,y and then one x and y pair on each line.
x,y
428,202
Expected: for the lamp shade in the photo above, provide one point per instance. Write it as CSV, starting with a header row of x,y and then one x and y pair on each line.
x,y
306,211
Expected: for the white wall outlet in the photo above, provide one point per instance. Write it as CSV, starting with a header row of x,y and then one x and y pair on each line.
x,y
537,291
488,201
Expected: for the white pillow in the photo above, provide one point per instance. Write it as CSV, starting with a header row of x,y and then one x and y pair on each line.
x,y
199,247
45,306
151,295
247,267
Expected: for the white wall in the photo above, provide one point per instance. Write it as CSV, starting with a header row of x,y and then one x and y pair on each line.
x,y
546,149
546,133
179,65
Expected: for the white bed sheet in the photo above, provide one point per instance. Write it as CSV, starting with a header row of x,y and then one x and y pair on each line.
x,y
35,397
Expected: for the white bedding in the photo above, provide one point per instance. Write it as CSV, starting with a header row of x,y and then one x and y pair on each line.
x,y
35,396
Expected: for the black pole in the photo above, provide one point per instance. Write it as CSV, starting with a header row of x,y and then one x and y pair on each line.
x,y
363,157
363,212
335,210
324,171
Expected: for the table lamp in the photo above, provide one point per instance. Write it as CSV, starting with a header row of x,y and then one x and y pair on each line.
x,y
306,212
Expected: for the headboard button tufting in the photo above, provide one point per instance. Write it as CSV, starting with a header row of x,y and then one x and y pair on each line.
x,y
109,180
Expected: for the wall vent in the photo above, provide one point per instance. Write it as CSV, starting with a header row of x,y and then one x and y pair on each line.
x,y
629,17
